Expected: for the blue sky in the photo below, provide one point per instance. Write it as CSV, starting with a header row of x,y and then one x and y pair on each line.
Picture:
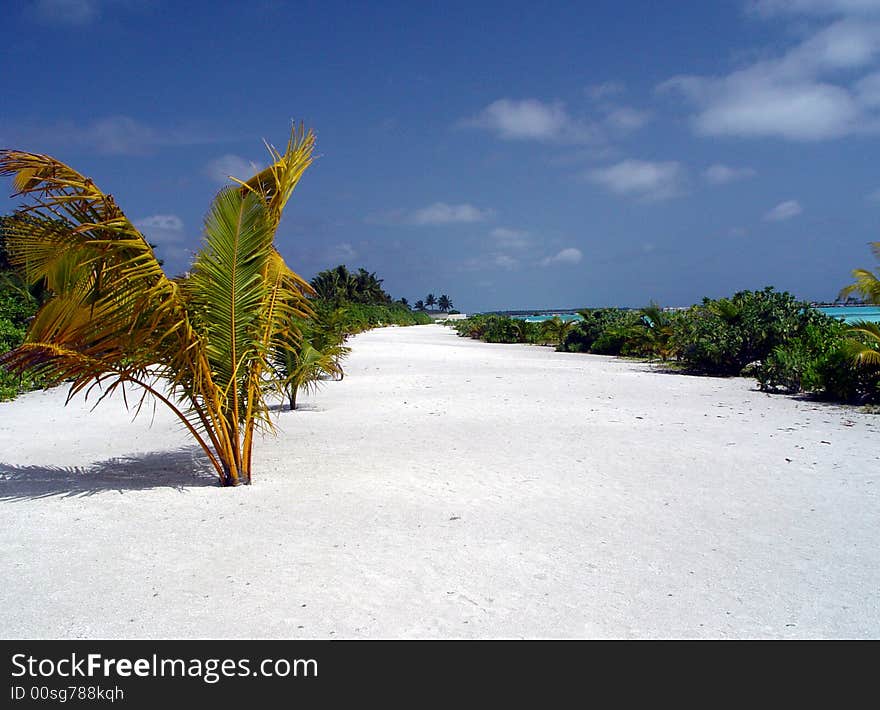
x,y
511,155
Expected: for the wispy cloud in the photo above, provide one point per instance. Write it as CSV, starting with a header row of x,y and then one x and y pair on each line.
x,y
530,119
626,119
341,253
77,13
605,90
720,174
167,232
783,211
803,95
74,13
505,261
438,213
161,228
551,122
771,8
506,238
109,135
568,256
644,180
221,168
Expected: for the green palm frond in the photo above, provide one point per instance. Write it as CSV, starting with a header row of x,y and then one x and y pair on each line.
x,y
227,288
864,345
866,284
276,183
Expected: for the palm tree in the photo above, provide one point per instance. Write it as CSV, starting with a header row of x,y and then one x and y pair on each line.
x,y
430,300
200,344
444,304
864,345
654,337
866,284
303,367
419,305
557,329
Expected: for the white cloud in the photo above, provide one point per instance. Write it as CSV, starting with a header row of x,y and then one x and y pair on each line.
x,y
528,119
568,256
550,122
166,231
507,238
161,222
720,174
642,179
799,96
435,214
531,119
221,168
783,211
769,8
442,213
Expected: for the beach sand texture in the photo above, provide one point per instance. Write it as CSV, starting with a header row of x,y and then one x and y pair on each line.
x,y
448,488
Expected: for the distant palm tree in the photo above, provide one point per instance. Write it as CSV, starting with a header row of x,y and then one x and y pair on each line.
x,y
303,367
557,329
419,306
654,337
404,302
444,304
430,300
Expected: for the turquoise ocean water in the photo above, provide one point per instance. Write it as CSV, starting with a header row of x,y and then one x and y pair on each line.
x,y
848,314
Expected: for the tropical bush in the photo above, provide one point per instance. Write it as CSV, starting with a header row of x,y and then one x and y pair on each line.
x,y
491,328
722,337
602,330
803,362
787,345
17,306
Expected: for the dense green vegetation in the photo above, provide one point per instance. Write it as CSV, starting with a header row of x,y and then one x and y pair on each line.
x,y
343,303
786,345
18,304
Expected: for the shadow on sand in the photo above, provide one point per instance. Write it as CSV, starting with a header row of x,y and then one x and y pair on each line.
x,y
181,469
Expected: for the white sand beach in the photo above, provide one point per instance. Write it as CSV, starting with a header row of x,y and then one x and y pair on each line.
x,y
448,488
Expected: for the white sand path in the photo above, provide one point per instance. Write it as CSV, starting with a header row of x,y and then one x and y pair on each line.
x,y
451,488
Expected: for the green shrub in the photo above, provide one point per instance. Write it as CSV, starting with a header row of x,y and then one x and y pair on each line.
x,y
844,381
16,308
491,328
802,363
604,331
721,337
